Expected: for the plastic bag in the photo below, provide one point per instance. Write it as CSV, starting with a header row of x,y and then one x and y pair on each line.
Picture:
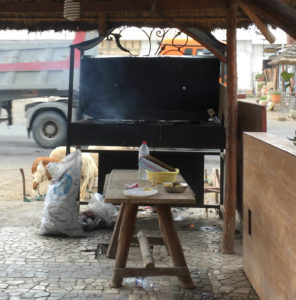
x,y
60,215
98,213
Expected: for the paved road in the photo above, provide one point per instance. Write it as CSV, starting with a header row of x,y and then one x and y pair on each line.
x,y
283,129
16,149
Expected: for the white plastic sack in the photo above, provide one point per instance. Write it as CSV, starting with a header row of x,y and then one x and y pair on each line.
x,y
103,214
60,215
106,211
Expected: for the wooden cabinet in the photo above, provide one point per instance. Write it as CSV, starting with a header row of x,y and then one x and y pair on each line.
x,y
269,196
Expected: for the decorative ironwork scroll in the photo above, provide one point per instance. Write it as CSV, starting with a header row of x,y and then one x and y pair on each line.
x,y
155,38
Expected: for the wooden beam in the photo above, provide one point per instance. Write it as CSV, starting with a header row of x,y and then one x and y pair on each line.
x,y
102,24
256,20
132,5
33,8
115,5
276,12
207,40
231,135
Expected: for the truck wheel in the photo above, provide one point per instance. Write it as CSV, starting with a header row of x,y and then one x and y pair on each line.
x,y
49,129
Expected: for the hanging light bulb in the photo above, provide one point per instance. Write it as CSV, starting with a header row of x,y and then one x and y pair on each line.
x,y
71,10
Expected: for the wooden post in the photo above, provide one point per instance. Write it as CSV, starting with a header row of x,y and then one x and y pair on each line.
x,y
231,135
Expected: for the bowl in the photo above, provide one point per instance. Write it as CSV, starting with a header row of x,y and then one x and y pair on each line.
x,y
175,187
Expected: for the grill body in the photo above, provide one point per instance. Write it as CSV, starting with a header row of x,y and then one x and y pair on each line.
x,y
164,100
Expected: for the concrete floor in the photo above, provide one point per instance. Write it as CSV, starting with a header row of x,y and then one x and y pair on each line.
x,y
33,266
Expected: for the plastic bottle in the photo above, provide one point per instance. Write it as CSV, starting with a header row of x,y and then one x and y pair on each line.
x,y
146,283
143,151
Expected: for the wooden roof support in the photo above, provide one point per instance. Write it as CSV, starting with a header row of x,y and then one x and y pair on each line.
x,y
260,25
276,12
111,5
207,40
102,24
231,135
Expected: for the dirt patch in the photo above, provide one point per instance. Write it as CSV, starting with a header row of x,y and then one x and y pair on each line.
x,y
12,185
13,210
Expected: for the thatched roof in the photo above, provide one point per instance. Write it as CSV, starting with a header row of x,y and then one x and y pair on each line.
x,y
40,15
43,15
287,57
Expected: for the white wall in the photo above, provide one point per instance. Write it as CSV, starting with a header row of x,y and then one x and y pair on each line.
x,y
250,56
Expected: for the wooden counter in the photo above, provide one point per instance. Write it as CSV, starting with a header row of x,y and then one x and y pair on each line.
x,y
269,196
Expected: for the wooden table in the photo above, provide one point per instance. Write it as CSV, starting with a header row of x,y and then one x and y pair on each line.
x,y
125,227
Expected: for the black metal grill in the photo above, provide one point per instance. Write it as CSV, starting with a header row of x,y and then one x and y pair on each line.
x,y
164,100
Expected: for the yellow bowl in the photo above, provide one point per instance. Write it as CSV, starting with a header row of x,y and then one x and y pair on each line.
x,y
161,177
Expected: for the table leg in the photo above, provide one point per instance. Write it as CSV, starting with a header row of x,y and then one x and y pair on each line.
x,y
171,238
125,237
112,248
163,236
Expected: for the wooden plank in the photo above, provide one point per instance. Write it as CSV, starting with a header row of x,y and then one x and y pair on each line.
x,y
231,135
251,117
119,178
269,197
145,250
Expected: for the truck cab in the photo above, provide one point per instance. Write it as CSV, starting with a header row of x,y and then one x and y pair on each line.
x,y
179,46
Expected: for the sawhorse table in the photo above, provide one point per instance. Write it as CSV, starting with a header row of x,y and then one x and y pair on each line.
x,y
125,226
